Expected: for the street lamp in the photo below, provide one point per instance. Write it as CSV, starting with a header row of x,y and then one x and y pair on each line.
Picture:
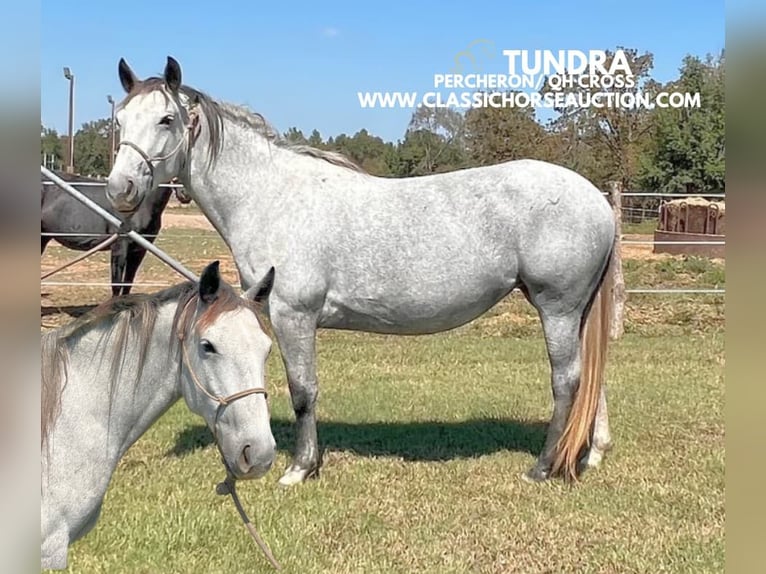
x,y
70,76
111,133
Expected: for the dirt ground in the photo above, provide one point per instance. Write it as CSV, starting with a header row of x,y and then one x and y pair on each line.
x,y
60,303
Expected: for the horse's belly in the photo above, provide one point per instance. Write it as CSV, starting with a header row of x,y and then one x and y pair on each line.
x,y
414,309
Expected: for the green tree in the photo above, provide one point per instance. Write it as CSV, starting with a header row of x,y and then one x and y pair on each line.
x,y
52,148
315,139
434,142
370,152
688,147
495,135
92,147
295,136
605,142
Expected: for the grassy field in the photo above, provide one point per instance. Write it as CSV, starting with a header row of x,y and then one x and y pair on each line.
x,y
425,439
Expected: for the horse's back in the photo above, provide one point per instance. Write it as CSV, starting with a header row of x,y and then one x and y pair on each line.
x,y
62,213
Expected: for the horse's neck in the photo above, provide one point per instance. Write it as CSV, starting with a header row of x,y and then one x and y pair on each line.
x,y
251,181
227,192
136,403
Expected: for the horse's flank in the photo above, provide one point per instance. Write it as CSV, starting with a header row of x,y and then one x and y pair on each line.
x,y
134,314
215,112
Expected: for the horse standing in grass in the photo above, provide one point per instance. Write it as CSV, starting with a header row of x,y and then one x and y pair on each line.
x,y
398,256
109,375
62,216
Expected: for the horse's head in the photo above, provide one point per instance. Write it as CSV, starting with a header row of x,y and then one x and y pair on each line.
x,y
155,134
224,352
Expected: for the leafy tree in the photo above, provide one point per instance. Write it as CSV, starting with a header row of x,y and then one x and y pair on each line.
x,y
434,142
315,139
495,135
688,150
52,148
92,147
370,152
295,136
608,141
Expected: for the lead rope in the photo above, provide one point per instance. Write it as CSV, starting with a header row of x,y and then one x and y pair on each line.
x,y
229,484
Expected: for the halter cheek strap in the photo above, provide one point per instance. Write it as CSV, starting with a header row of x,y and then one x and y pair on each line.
x,y
191,132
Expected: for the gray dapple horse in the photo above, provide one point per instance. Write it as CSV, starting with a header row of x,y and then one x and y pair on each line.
x,y
403,256
60,213
203,342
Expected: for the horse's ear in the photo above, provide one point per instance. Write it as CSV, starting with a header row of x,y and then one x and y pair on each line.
x,y
172,74
261,290
210,282
127,78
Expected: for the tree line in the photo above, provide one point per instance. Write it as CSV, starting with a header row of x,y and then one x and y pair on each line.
x,y
662,149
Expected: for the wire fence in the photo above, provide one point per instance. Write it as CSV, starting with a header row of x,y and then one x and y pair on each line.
x,y
631,214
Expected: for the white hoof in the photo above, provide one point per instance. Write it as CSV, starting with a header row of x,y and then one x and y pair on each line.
x,y
293,476
594,458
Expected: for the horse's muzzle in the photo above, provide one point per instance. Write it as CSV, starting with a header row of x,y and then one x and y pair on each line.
x,y
124,197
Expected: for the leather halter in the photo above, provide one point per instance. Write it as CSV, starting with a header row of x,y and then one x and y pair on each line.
x,y
223,402
190,136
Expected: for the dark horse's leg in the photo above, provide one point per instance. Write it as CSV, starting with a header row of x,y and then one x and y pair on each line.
x,y
119,260
296,334
134,258
562,336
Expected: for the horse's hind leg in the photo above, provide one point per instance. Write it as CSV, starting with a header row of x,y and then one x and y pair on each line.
x,y
118,263
135,257
602,438
562,337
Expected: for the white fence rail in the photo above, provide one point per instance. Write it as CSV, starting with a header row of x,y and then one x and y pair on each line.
x,y
638,290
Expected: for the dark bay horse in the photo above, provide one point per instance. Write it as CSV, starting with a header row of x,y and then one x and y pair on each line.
x,y
62,214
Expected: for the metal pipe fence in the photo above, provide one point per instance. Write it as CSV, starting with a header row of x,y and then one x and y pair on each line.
x,y
180,268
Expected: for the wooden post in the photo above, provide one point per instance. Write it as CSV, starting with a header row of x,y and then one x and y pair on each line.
x,y
617,328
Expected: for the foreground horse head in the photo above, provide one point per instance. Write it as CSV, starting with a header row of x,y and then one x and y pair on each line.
x,y
109,375
156,132
224,352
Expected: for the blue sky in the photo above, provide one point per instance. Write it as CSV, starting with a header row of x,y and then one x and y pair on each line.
x,y
302,63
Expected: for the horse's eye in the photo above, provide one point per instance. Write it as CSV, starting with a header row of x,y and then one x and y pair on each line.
x,y
207,346
166,121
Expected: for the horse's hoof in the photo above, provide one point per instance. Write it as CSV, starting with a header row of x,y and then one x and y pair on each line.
x,y
295,475
594,458
596,455
535,476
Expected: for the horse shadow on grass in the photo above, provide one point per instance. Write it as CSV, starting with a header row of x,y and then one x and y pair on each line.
x,y
413,441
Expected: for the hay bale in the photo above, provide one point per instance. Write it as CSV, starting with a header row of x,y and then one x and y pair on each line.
x,y
693,215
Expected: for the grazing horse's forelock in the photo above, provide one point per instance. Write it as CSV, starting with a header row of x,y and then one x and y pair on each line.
x,y
215,112
125,315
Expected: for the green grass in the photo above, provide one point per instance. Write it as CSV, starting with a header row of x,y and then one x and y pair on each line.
x,y
425,439
646,227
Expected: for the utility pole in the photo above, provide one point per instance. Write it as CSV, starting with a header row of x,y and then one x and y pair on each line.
x,y
70,76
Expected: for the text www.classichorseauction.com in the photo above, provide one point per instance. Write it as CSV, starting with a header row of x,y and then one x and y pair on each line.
x,y
554,77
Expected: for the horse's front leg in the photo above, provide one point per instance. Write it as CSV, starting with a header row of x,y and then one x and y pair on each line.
x,y
295,331
54,548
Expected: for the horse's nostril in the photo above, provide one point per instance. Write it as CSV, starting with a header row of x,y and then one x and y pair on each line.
x,y
130,187
244,462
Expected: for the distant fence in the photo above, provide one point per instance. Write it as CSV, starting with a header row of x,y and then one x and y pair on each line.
x,y
629,207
